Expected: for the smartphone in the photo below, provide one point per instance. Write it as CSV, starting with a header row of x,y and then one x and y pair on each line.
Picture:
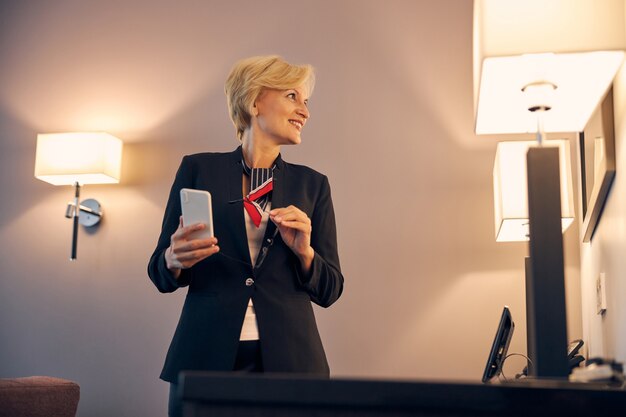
x,y
196,208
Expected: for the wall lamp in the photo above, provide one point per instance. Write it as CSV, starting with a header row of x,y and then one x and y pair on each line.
x,y
76,159
544,66
510,185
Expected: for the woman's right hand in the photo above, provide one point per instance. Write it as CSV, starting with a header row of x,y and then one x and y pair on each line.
x,y
184,253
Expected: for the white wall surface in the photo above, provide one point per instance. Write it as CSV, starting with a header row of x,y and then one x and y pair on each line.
x,y
425,279
606,334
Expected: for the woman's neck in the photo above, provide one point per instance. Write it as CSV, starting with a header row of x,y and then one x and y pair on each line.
x,y
256,153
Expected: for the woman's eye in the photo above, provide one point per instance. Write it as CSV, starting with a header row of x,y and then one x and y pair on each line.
x,y
292,96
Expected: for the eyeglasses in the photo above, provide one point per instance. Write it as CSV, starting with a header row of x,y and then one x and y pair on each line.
x,y
264,250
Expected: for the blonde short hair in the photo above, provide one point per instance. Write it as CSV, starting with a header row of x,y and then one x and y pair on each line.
x,y
250,76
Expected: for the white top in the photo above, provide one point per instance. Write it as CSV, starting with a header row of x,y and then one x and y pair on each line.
x,y
250,330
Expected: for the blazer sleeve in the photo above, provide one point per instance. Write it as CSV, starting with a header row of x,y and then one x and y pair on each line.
x,y
157,268
324,282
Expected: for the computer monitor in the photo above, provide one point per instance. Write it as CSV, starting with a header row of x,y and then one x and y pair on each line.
x,y
500,346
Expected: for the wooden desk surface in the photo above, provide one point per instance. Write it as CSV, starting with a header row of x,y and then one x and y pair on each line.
x,y
227,394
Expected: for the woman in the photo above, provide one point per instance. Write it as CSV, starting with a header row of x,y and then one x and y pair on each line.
x,y
248,306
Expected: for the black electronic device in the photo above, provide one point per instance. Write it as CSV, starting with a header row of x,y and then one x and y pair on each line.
x,y
573,357
500,346
573,348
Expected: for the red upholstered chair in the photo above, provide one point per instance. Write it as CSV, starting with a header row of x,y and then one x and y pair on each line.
x,y
38,396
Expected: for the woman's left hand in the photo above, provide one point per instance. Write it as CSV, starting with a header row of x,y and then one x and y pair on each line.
x,y
295,230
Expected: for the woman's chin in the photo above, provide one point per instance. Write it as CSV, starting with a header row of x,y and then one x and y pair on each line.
x,y
286,140
295,140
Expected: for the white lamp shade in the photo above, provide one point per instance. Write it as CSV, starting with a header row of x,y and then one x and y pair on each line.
x,y
510,189
83,157
577,45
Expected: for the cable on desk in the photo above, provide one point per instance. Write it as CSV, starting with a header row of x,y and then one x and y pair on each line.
x,y
521,374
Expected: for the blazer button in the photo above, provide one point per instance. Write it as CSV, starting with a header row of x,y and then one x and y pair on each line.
x,y
249,282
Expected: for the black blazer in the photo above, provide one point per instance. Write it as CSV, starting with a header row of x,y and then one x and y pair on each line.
x,y
207,334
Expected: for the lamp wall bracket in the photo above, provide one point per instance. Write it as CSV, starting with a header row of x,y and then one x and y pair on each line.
x,y
90,212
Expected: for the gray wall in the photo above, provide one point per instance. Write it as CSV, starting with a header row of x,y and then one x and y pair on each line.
x,y
425,280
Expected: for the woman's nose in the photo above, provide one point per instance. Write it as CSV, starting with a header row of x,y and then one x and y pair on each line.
x,y
304,111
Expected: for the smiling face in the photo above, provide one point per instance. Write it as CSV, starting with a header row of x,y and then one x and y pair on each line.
x,y
279,116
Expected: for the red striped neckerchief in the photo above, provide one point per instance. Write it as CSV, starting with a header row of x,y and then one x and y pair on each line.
x,y
261,185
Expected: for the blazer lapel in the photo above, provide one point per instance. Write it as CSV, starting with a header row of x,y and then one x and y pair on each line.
x,y
236,218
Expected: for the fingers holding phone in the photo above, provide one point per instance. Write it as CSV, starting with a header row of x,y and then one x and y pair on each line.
x,y
193,241
185,250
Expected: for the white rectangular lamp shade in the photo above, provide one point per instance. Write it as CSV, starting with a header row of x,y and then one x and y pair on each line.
x,y
577,45
510,189
83,157
582,80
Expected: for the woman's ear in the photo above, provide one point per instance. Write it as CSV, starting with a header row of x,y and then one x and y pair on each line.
x,y
254,109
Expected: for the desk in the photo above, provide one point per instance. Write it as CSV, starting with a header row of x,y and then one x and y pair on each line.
x,y
264,395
